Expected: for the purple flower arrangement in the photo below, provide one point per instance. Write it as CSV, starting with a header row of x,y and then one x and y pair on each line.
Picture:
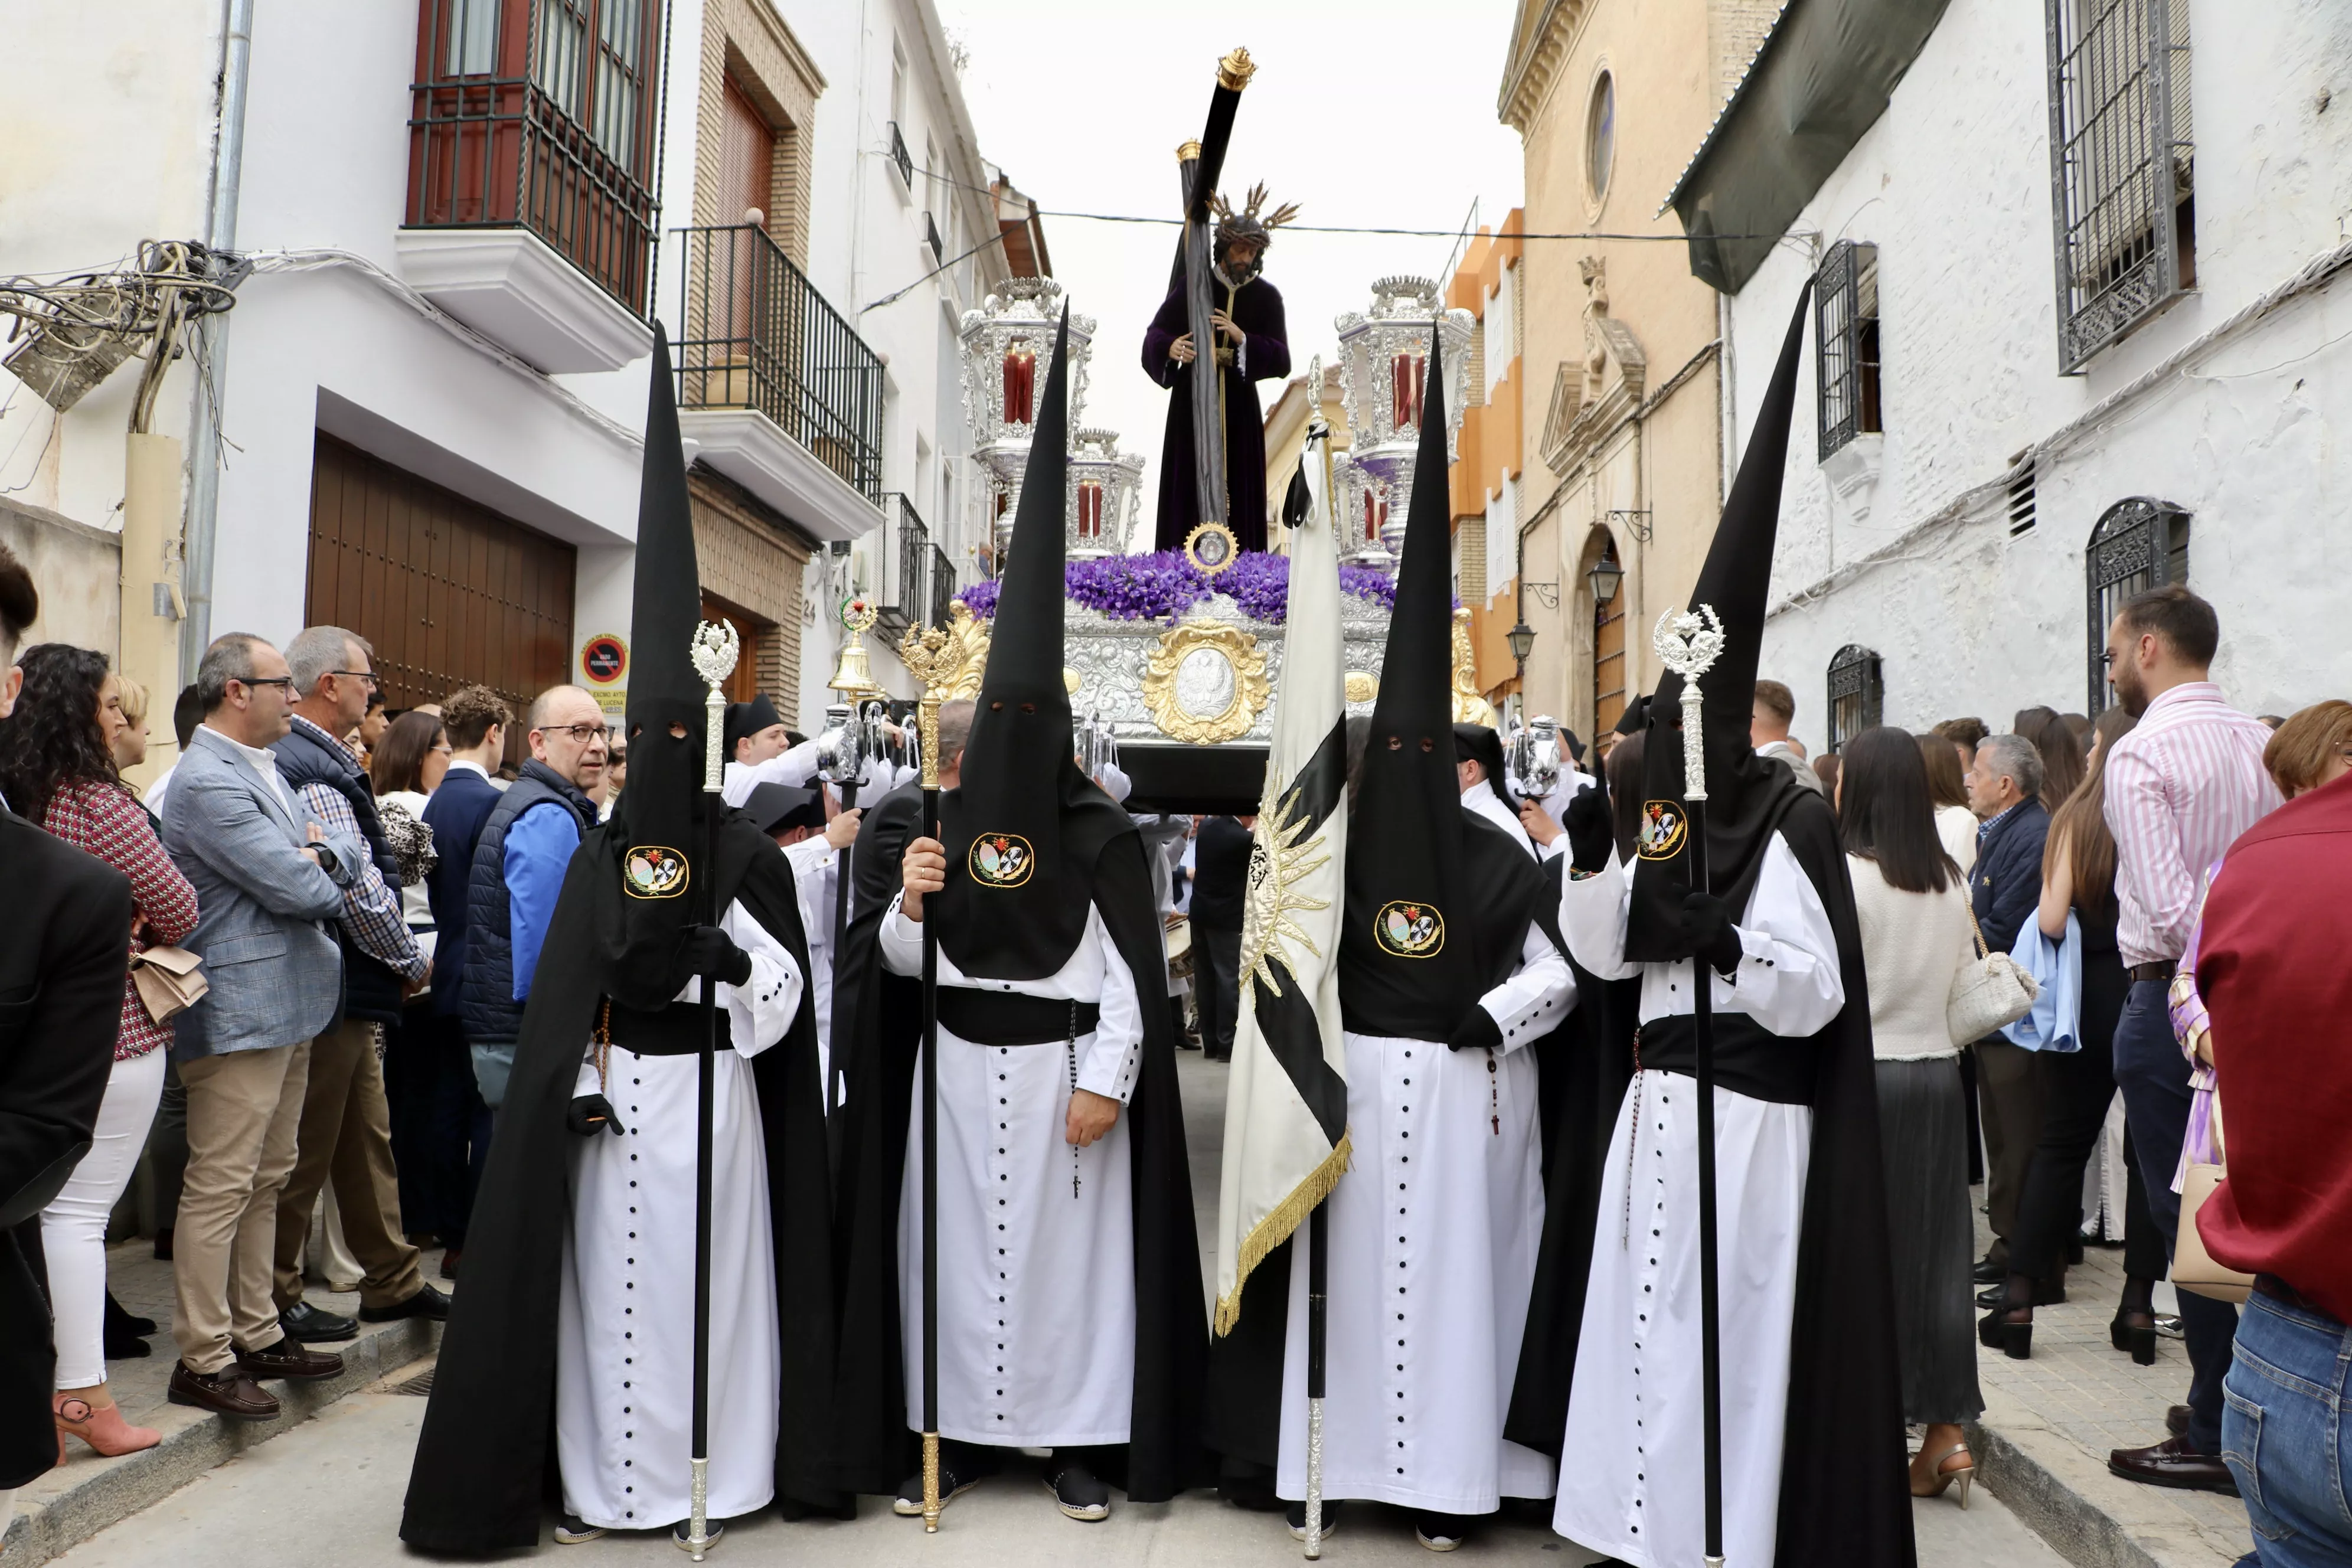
x,y
1162,585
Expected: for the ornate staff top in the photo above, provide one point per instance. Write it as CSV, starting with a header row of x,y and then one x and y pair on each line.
x,y
935,658
1688,644
714,649
1234,70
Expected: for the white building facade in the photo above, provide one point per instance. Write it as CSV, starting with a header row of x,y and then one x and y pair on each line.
x,y
464,219
2036,391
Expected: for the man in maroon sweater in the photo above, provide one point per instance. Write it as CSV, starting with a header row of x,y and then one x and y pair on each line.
x,y
2278,990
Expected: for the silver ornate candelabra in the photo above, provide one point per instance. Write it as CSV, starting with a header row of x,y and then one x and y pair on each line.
x,y
1384,379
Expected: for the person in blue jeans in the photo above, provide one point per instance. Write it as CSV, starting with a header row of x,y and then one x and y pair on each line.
x,y
2266,970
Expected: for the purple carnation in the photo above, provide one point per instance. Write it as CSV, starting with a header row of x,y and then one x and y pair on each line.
x,y
980,598
1162,585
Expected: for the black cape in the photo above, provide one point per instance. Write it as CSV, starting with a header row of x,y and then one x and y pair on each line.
x,y
1844,1495
877,1035
1245,1414
485,1469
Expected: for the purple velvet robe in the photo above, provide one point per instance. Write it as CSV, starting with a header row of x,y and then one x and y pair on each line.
x,y
1258,311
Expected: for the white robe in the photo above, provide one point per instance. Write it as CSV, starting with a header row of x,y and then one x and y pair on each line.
x,y
1434,1236
1036,1283
1635,1411
816,866
1480,798
625,1325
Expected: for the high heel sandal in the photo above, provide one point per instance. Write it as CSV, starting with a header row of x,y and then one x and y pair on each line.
x,y
2135,1332
1941,1478
100,1425
1997,1331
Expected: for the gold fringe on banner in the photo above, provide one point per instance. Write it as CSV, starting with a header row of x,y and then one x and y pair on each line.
x,y
1277,1225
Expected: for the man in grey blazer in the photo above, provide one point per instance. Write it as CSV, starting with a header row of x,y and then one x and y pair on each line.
x,y
268,884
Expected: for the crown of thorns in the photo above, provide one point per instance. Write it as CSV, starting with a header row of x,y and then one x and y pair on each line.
x,y
1248,223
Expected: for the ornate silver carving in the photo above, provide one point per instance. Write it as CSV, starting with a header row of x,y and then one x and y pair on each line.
x,y
1100,523
1008,348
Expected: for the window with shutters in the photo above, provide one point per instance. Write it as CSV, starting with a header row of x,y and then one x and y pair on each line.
x,y
1857,693
2136,544
2122,166
1845,345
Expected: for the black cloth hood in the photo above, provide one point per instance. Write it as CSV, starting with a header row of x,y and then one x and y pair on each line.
x,y
661,827
1410,954
1746,796
1024,829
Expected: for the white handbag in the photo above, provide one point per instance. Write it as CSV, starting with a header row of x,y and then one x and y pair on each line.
x,y
1988,993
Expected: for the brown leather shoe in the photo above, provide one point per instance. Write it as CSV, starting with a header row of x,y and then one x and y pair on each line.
x,y
228,1392
2172,1463
288,1358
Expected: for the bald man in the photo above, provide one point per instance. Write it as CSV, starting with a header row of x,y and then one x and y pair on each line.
x,y
519,863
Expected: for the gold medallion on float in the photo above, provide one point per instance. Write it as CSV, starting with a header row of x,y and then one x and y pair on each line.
x,y
651,872
1664,825
1001,860
1406,930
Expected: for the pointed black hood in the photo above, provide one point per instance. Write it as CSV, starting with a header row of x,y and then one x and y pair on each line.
x,y
658,830
1024,828
1747,794
1411,954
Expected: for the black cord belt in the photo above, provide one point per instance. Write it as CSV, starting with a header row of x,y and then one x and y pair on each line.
x,y
1012,1018
677,1030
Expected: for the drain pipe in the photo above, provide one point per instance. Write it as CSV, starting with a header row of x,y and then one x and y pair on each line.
x,y
211,354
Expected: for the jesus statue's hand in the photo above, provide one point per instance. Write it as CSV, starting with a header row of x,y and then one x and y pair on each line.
x,y
1225,323
1181,351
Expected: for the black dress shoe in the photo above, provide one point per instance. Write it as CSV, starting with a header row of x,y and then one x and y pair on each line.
x,y
316,1325
288,1359
228,1392
427,1303
1991,1270
1076,1492
2175,1420
2172,1463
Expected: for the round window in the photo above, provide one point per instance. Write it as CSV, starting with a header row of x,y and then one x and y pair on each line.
x,y
1600,135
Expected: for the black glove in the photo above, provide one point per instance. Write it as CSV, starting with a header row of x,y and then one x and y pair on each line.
x,y
590,1114
712,953
1592,829
1476,1031
1708,928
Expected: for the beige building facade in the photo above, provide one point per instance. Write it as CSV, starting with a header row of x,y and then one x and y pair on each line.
x,y
1623,376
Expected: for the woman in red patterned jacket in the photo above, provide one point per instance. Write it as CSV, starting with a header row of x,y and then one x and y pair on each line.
x,y
57,768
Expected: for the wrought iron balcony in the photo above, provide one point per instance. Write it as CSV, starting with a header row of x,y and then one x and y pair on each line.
x,y
931,237
943,585
755,333
900,156
541,118
902,563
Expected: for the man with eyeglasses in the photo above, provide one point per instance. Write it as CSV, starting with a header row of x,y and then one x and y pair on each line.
x,y
269,879
525,846
346,1127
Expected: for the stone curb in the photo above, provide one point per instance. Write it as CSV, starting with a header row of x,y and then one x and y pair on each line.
x,y
87,1493
2066,1496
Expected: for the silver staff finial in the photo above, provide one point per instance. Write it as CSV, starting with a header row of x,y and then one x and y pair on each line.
x,y
1688,644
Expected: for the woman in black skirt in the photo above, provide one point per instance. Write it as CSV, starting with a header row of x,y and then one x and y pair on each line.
x,y
1911,901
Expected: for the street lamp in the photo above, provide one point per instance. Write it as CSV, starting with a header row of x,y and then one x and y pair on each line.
x,y
1604,577
1522,637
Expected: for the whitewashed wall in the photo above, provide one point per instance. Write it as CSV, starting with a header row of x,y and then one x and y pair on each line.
x,y
1953,186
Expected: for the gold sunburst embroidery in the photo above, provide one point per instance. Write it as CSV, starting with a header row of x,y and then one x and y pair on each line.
x,y
1278,862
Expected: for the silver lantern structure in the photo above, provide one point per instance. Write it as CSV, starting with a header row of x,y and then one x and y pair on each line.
x,y
1104,482
1384,381
1008,347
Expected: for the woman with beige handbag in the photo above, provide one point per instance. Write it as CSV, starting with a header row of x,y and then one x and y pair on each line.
x,y
58,768
2265,998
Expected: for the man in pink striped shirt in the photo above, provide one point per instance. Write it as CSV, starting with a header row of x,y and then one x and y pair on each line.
x,y
2180,788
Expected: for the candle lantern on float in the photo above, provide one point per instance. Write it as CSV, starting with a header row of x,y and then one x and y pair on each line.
x,y
1008,347
1385,382
1103,483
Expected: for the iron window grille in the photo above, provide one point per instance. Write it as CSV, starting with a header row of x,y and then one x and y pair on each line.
x,y
931,237
903,559
1845,336
2121,166
757,334
901,157
542,116
943,586
1857,693
2137,544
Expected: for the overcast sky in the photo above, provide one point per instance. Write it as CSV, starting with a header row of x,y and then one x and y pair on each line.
x,y
1374,113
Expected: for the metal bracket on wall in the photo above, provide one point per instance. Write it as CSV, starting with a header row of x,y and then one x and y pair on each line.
x,y
1636,523
1546,593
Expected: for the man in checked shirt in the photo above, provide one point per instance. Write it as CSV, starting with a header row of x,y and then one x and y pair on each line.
x,y
346,1129
2180,788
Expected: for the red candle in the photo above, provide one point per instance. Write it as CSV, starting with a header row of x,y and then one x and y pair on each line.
x,y
1090,503
1020,384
